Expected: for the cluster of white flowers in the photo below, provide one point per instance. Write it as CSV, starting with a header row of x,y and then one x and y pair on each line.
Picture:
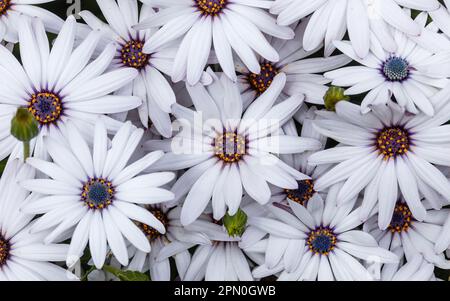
x,y
225,140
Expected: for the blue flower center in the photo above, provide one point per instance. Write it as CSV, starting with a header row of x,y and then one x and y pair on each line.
x,y
321,241
211,7
4,250
303,193
97,193
392,141
46,107
401,219
396,69
262,81
4,6
132,55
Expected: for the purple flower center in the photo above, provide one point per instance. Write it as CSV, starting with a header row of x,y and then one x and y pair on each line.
x,y
132,55
393,141
46,107
262,81
4,250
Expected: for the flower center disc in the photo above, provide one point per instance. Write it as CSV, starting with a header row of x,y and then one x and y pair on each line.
x,y
46,107
230,147
401,219
396,69
321,241
303,193
392,141
133,56
97,193
151,232
4,6
4,250
211,7
261,82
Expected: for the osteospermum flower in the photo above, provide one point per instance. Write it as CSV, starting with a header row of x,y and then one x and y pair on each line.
x,y
305,192
330,20
150,85
382,151
226,25
10,17
410,236
319,242
60,84
95,192
303,73
406,73
23,255
174,243
233,149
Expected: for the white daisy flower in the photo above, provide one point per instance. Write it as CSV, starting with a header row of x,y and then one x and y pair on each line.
x,y
232,149
407,74
304,73
94,193
305,192
10,17
174,243
150,85
382,151
226,259
410,236
23,255
331,19
60,84
224,25
319,242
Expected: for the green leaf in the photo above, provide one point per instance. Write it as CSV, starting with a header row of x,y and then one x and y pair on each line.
x,y
126,275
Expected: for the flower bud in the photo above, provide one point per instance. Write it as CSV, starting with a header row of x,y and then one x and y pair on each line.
x,y
235,224
24,126
333,96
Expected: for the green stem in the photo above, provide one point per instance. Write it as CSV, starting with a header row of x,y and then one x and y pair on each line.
x,y
26,150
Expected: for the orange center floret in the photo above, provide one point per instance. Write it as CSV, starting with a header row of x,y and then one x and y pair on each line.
x,y
4,250
4,6
401,219
151,232
133,56
211,7
230,147
261,82
392,141
46,107
303,193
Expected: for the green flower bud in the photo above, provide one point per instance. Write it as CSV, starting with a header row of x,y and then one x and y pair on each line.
x,y
24,126
333,96
235,224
